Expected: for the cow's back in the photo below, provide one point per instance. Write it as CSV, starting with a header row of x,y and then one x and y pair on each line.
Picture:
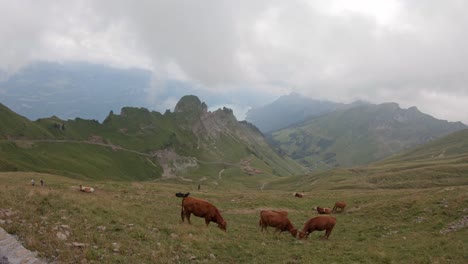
x,y
274,218
198,207
322,222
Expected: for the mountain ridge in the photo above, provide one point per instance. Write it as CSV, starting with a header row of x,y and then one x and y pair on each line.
x,y
173,141
358,135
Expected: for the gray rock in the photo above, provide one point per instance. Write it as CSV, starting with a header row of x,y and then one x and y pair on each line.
x,y
12,252
4,260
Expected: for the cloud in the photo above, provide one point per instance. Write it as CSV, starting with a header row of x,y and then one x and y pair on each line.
x,y
385,50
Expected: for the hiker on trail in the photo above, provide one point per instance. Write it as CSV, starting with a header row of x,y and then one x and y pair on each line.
x,y
33,182
42,182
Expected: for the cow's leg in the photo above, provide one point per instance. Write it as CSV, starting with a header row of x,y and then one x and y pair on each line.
x,y
264,225
182,214
327,233
207,221
187,215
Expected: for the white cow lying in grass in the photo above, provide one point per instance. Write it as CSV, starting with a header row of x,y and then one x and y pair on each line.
x,y
86,189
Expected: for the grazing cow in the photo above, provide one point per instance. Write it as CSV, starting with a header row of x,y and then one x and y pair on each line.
x,y
201,208
86,189
298,195
323,210
340,205
318,223
277,219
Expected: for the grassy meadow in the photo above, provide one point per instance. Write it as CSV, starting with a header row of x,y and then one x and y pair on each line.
x,y
139,222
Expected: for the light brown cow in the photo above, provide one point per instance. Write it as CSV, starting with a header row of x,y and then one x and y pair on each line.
x,y
341,205
86,189
323,210
277,219
202,209
319,223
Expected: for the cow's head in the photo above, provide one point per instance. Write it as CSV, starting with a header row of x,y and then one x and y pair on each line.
x,y
294,232
302,234
222,225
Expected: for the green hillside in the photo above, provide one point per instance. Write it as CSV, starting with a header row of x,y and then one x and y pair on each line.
x,y
442,162
359,135
139,144
16,126
451,146
77,160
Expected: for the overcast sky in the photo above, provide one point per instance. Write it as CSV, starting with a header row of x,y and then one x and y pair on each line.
x,y
411,52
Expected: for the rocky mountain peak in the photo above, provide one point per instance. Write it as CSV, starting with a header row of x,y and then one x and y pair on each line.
x,y
190,104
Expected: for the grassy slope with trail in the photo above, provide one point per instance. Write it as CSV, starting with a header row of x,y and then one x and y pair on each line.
x,y
442,162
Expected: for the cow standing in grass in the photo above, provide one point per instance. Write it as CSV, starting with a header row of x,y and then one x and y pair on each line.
x,y
341,205
277,219
202,209
323,210
318,223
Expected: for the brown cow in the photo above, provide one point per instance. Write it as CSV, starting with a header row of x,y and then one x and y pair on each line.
x,y
264,215
277,219
203,209
323,210
340,205
318,223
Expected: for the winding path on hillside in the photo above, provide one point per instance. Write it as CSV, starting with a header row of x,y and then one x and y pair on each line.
x,y
120,148
220,173
112,146
116,147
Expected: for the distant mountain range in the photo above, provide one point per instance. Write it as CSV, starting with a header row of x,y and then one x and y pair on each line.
x,y
140,144
358,134
287,110
89,91
73,89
